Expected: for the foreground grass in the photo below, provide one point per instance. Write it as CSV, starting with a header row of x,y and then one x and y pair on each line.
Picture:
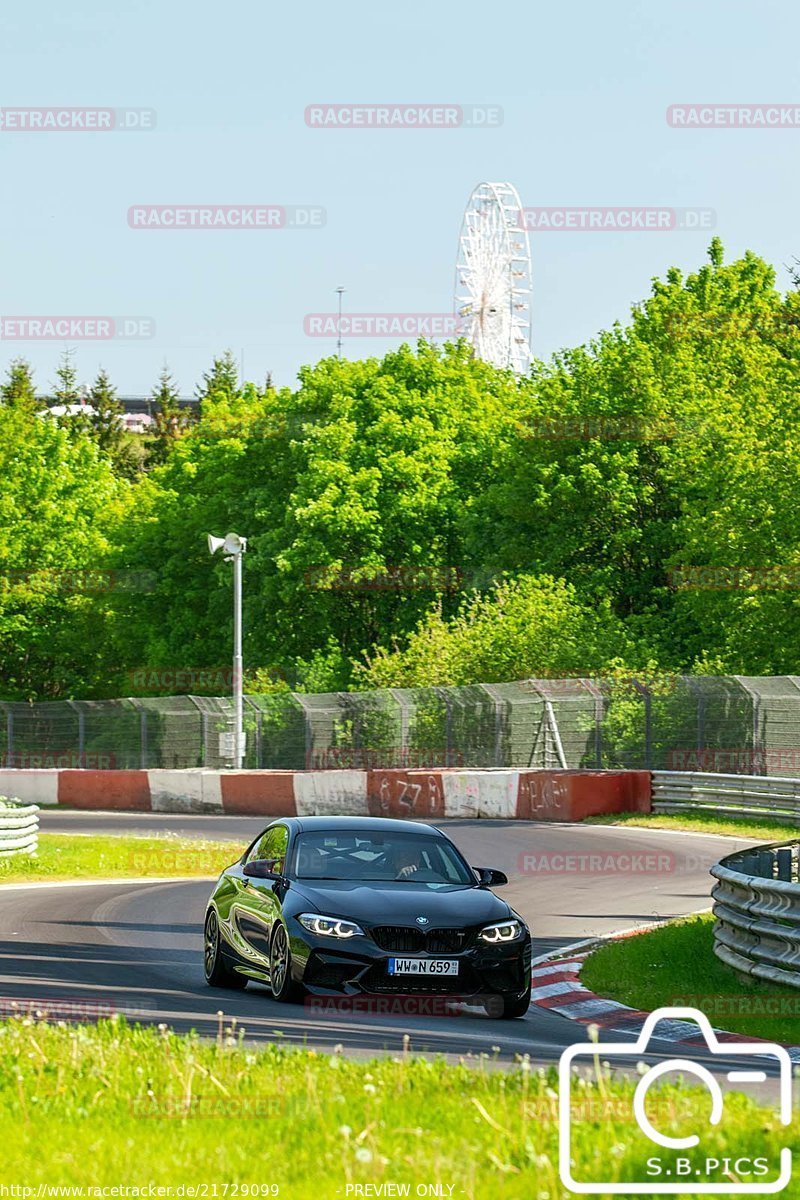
x,y
65,856
675,964
755,829
110,1104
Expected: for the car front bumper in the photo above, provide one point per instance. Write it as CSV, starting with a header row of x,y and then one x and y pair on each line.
x,y
361,966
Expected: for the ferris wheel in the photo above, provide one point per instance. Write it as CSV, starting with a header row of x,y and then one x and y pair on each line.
x,y
493,277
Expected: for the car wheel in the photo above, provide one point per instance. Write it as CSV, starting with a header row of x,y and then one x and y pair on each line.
x,y
280,967
217,971
516,1006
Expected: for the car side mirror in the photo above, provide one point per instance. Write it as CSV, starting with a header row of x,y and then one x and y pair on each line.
x,y
262,868
488,877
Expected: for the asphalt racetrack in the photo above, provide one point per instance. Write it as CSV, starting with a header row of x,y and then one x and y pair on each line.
x,y
136,947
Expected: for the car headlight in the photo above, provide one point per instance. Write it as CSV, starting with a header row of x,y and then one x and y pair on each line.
x,y
502,931
329,926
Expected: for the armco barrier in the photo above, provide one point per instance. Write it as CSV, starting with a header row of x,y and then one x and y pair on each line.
x,y
727,795
757,911
19,829
537,795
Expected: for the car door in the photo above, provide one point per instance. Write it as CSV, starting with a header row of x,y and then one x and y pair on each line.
x,y
258,902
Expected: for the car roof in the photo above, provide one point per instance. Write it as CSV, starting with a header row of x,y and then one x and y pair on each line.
x,y
377,824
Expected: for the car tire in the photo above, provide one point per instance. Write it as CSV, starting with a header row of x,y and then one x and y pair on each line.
x,y
516,1006
217,972
283,987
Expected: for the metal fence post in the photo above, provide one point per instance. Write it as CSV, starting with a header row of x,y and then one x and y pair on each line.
x,y
142,732
498,722
9,734
648,724
81,730
598,721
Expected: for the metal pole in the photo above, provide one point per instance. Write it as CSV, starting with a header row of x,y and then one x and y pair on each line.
x,y
237,660
340,290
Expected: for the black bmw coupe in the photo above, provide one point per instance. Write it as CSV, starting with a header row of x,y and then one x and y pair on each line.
x,y
345,906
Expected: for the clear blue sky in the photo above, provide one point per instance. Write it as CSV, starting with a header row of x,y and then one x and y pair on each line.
x,y
584,88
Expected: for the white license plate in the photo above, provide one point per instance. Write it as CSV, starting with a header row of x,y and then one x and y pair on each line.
x,y
423,966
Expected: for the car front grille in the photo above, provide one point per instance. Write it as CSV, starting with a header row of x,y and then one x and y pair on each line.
x,y
405,939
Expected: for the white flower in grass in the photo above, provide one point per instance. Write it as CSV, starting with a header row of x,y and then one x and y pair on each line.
x,y
641,1068
370,1089
363,1154
345,1131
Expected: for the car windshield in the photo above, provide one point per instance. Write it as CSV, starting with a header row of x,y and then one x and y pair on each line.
x,y
366,856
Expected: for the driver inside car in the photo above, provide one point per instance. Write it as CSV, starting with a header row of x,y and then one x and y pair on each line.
x,y
407,860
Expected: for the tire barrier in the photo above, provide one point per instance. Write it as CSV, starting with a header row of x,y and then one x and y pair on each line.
x,y
727,795
757,911
19,827
527,795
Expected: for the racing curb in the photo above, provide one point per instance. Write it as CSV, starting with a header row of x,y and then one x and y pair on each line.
x,y
556,987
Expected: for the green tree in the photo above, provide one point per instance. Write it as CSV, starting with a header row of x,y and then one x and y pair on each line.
x,y
107,424
66,390
59,499
222,380
170,420
523,628
18,391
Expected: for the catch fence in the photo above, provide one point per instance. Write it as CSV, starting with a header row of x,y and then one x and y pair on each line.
x,y
719,724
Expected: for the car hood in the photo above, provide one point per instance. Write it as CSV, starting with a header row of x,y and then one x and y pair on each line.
x,y
394,903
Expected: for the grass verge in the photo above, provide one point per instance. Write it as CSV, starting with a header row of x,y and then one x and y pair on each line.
x,y
766,831
118,1105
676,964
64,856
